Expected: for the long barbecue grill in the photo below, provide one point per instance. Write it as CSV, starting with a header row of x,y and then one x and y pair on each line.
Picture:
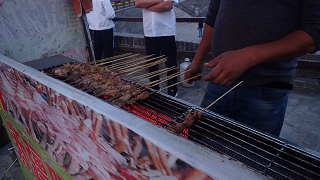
x,y
258,155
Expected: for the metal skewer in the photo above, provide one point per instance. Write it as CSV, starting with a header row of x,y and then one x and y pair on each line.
x,y
118,59
116,65
8,168
133,64
147,65
167,78
106,59
221,96
135,78
175,84
139,68
168,69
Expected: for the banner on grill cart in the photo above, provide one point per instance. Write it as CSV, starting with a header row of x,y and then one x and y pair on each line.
x,y
59,138
34,161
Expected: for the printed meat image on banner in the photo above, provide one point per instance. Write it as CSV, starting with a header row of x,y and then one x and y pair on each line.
x,y
85,143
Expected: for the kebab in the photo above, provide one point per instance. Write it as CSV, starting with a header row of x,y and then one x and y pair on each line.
x,y
191,117
101,82
188,121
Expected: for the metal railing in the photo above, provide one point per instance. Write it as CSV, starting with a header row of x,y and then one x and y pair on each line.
x,y
307,63
178,19
118,4
186,9
139,19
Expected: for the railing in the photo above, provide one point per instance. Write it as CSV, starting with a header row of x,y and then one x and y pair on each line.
x,y
142,49
179,19
186,9
117,4
303,62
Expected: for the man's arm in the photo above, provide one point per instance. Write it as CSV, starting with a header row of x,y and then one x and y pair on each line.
x,y
146,3
109,9
200,57
161,7
230,65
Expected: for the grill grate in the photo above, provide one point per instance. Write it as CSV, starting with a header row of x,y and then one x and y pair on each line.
x,y
271,156
266,154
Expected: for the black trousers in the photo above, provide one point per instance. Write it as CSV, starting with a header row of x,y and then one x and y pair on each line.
x,y
167,46
103,43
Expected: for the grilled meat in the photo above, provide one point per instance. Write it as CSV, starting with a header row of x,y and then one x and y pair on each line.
x,y
190,118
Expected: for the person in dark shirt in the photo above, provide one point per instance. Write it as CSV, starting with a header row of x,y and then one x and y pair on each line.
x,y
259,43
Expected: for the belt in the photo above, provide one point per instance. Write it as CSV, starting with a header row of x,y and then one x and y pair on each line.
x,y
279,85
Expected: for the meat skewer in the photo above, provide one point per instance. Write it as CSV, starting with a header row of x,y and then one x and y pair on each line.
x,y
121,64
128,65
190,118
119,92
221,96
168,77
138,68
135,78
131,56
105,59
168,69
104,83
170,85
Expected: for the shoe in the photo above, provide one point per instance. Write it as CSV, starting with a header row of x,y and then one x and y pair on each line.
x,y
172,93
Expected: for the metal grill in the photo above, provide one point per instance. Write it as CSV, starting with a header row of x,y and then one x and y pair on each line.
x,y
266,154
271,156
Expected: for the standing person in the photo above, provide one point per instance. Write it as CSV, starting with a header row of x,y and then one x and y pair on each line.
x,y
200,27
260,49
100,22
159,23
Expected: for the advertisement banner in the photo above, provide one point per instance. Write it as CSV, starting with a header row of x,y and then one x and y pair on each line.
x,y
59,138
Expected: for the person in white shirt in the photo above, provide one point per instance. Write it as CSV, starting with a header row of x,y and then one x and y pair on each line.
x,y
100,22
159,23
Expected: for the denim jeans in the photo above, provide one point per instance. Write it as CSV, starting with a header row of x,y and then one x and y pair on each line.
x,y
259,107
200,32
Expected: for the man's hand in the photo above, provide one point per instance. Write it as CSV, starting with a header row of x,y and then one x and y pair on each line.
x,y
196,69
228,67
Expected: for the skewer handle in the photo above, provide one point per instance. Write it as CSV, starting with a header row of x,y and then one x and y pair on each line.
x,y
221,96
173,84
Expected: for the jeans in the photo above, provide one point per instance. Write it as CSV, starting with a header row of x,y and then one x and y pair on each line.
x,y
259,107
200,32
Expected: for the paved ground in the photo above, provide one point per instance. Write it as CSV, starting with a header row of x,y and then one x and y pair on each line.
x,y
187,32
5,162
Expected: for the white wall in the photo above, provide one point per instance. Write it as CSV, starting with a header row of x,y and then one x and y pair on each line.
x,y
34,29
